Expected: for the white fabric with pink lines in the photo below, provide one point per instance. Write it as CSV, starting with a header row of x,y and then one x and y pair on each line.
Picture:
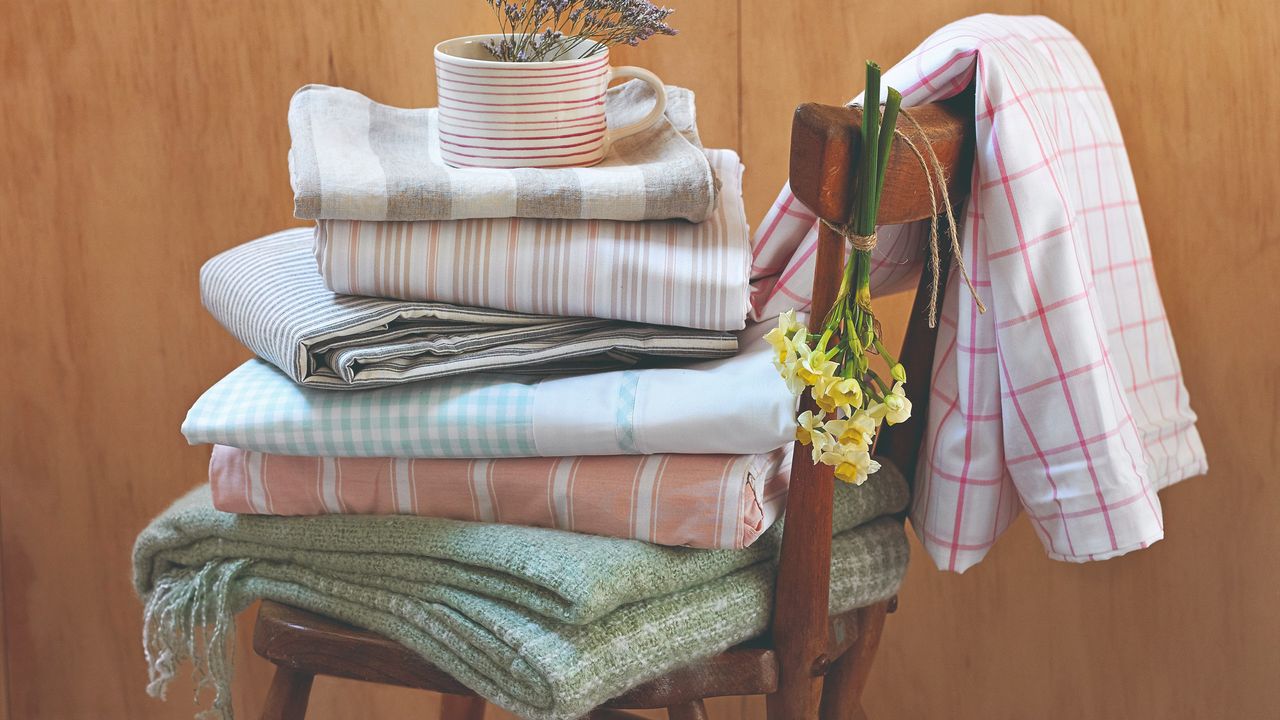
x,y
1065,400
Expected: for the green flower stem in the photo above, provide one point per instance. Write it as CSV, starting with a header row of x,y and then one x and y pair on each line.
x,y
890,121
884,389
884,353
865,222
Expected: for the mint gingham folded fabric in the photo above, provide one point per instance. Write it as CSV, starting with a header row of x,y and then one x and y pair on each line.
x,y
1066,399
737,405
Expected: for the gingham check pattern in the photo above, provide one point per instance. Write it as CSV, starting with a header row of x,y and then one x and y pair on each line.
x,y
257,407
1065,399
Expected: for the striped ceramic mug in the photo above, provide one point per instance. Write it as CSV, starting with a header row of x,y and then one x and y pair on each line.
x,y
498,114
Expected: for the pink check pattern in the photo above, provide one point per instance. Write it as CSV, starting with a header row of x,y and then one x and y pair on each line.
x,y
1065,400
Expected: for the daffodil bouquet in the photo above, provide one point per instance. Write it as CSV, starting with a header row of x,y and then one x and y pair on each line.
x,y
833,364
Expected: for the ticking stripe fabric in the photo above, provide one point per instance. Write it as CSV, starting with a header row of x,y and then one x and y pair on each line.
x,y
269,294
666,272
355,159
736,405
1065,399
704,501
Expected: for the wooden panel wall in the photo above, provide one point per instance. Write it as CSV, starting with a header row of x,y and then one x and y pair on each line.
x,y
141,138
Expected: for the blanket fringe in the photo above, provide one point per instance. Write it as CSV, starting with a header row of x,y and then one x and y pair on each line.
x,y
188,617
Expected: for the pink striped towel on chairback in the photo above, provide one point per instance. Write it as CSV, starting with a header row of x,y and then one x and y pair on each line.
x,y
705,501
1066,398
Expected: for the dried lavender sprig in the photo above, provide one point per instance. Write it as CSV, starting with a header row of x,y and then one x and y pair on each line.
x,y
550,29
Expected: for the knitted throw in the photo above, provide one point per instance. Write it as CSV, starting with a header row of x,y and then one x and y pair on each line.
x,y
545,623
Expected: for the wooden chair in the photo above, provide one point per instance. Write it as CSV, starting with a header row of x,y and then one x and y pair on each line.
x,y
805,645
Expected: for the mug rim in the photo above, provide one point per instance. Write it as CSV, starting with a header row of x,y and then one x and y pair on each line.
x,y
439,53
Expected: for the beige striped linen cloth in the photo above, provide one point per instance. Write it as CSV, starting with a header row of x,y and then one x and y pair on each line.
x,y
670,272
355,159
704,501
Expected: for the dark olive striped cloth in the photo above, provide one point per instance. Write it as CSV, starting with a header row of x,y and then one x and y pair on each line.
x,y
270,295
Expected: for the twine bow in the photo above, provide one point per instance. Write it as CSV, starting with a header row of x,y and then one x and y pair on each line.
x,y
936,174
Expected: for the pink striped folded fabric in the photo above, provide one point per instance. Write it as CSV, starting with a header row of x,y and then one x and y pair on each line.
x,y
669,272
704,501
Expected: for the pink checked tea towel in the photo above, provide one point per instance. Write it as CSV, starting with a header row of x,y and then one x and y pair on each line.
x,y
1065,400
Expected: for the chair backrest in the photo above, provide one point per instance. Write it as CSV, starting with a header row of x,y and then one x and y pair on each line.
x,y
824,154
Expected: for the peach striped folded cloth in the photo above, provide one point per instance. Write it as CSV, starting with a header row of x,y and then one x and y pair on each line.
x,y
703,501
668,272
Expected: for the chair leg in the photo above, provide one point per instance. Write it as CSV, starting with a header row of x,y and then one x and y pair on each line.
x,y
461,707
842,690
287,698
694,710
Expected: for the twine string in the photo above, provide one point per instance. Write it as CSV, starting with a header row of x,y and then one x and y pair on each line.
x,y
864,243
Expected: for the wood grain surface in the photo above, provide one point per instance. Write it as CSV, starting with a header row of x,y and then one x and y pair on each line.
x,y
139,138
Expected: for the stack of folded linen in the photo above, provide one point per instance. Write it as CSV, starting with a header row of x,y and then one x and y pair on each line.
x,y
492,331
564,350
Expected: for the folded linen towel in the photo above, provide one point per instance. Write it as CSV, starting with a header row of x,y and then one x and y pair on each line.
x,y
666,272
545,623
737,405
355,159
269,294
707,501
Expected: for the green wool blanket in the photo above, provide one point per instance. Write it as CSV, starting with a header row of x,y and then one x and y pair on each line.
x,y
545,623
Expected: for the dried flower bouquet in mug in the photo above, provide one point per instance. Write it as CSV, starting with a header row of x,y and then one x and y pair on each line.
x,y
548,30
833,363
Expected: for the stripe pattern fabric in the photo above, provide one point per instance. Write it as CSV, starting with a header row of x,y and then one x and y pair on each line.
x,y
519,114
269,294
1066,398
703,501
737,405
355,159
666,272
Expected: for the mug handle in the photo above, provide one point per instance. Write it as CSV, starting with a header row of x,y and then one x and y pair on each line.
x,y
659,107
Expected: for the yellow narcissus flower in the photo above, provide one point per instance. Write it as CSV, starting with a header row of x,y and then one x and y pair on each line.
x,y
788,370
856,431
788,323
851,464
897,406
783,347
839,394
814,365
788,340
808,425
822,442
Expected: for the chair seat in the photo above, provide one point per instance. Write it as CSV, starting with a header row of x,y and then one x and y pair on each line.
x,y
317,645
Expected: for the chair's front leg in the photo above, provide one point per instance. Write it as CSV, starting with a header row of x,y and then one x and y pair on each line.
x,y
842,690
694,710
287,698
